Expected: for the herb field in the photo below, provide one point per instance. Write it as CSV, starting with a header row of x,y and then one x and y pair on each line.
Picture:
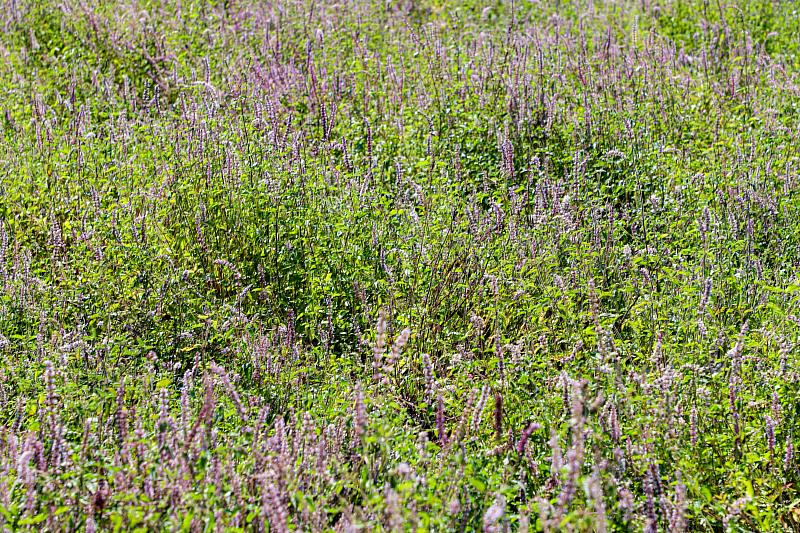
x,y
399,266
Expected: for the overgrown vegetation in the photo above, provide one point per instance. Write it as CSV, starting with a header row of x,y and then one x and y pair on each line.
x,y
399,265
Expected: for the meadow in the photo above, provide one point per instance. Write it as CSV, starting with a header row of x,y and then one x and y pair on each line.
x,y
401,265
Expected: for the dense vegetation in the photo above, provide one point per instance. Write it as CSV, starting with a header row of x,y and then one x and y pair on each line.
x,y
413,265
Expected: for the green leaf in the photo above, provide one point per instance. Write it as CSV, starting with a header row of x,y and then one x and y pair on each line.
x,y
186,525
41,517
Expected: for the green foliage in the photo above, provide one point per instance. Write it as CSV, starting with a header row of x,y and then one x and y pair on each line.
x,y
585,213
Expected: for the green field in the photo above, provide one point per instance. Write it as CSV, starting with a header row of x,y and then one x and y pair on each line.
x,y
399,265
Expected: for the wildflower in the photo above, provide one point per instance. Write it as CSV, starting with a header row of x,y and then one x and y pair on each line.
x,y
556,459
454,506
651,525
626,503
498,416
526,434
440,431
735,510
394,516
476,418
569,487
91,525
360,413
788,458
776,407
427,370
616,432
770,433
493,515
706,294
397,347
275,509
507,151
596,494
705,223
463,427
677,519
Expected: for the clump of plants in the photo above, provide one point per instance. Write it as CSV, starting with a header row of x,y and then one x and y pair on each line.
x,y
399,266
